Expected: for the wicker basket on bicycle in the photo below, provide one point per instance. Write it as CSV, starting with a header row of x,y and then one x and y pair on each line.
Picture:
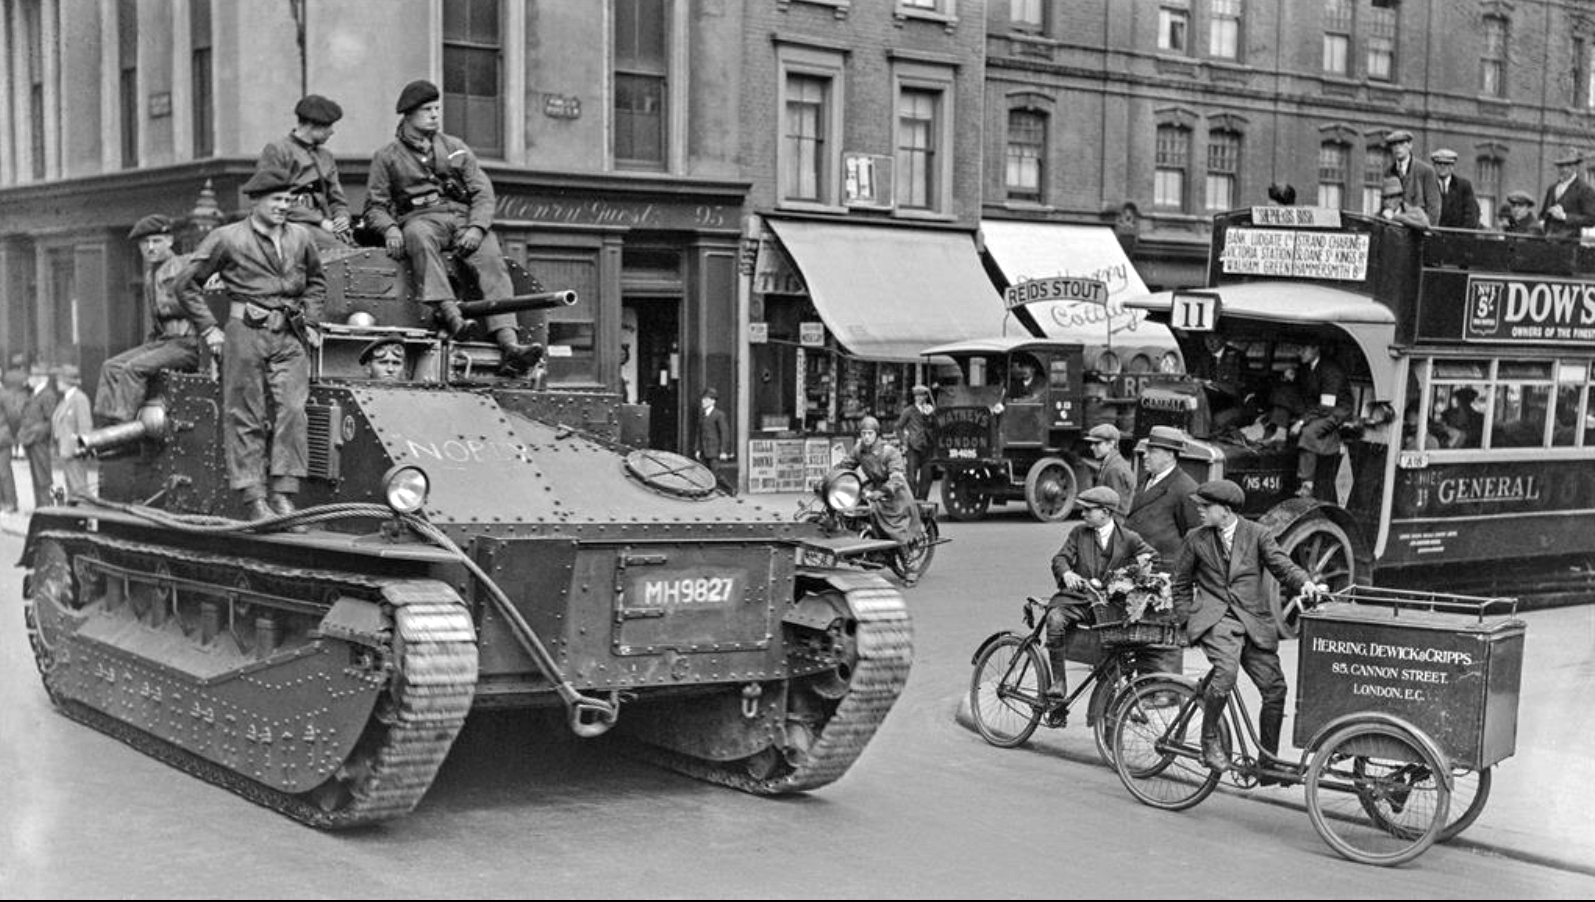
x,y
1137,608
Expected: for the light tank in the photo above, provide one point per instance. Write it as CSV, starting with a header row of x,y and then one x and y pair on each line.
x,y
465,540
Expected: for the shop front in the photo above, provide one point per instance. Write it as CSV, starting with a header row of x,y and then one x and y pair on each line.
x,y
838,317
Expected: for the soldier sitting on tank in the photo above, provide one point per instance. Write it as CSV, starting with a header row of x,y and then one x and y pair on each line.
x,y
384,360
884,470
319,204
178,323
426,194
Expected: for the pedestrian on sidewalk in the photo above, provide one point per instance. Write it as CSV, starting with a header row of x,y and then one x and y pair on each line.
x,y
71,419
33,432
13,392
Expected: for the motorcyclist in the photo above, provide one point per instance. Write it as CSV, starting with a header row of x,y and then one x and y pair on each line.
x,y
884,471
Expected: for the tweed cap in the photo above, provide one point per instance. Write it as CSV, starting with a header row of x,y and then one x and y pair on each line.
x,y
1104,432
416,93
1444,155
1166,437
1396,137
711,392
1520,197
267,180
153,224
370,350
921,390
1221,491
1101,496
317,109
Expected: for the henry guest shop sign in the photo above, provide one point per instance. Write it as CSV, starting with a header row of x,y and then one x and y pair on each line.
x,y
1529,310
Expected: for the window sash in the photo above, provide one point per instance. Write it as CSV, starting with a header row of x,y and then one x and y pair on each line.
x,y
1168,188
1337,53
807,101
1173,29
1027,137
916,148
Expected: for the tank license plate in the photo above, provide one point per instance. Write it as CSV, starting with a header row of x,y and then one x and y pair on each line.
x,y
673,592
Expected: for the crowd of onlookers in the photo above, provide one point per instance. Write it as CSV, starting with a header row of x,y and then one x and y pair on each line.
x,y
42,413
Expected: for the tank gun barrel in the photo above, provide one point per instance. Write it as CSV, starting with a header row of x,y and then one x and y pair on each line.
x,y
541,300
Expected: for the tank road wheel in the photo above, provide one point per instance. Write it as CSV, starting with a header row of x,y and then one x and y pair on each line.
x,y
963,499
1050,487
1319,546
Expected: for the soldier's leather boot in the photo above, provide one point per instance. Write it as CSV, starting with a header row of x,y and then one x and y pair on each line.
x,y
1213,754
517,359
449,318
257,509
283,504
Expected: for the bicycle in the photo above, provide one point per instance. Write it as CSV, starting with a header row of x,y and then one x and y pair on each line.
x,y
1007,692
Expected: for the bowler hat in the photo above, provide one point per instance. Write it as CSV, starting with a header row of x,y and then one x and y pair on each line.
x,y
1105,432
1221,491
69,370
1393,187
267,180
371,349
1444,155
1396,137
317,109
1166,437
1520,197
711,392
1570,157
416,93
1101,496
154,224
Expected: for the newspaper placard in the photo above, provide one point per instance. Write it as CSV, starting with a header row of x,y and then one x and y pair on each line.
x,y
761,466
790,465
1303,217
1295,254
816,460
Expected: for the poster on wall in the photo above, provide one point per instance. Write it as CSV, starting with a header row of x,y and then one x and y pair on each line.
x,y
761,466
816,461
811,335
790,465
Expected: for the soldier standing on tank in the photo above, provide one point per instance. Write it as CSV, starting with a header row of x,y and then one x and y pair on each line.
x,y
272,275
174,339
427,195
319,204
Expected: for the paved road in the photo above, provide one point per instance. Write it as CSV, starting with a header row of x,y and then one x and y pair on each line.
x,y
929,811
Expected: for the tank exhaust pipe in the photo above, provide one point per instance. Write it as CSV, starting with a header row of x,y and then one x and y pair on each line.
x,y
150,423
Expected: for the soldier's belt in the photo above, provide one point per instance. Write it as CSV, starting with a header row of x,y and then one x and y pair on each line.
x,y
261,316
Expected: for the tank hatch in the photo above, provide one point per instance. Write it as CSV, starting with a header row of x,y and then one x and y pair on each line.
x,y
670,473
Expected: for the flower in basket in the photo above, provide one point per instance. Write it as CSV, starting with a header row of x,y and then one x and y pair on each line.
x,y
1140,589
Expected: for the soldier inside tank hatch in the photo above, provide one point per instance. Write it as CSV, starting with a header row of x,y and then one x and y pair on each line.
x,y
426,194
384,360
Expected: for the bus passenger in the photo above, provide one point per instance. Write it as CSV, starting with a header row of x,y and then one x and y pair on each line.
x,y
1569,205
1396,209
1463,423
1409,432
1518,218
1459,207
1328,395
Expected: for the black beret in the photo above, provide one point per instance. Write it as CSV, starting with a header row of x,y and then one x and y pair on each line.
x,y
266,180
154,224
370,350
1222,491
416,93
317,109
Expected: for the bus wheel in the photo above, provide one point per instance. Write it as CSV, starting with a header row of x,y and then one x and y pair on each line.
x,y
1050,488
963,500
1319,546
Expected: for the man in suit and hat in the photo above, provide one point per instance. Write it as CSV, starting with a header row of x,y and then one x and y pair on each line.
x,y
71,419
1326,394
384,359
1518,218
427,195
177,325
318,198
1162,511
1217,583
1090,552
1419,184
715,441
1396,208
1459,208
1113,470
916,426
1569,206
272,274
33,433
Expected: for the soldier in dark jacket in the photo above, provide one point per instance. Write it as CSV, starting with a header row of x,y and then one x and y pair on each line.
x,y
319,204
427,195
1569,206
916,426
1459,208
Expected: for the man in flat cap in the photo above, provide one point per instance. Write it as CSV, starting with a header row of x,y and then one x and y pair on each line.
x,y
318,201
1518,217
272,274
916,426
1459,208
1420,187
1090,552
177,323
427,195
70,419
1569,206
1113,471
1217,583
384,359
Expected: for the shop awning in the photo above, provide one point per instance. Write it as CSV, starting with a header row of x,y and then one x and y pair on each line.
x,y
1036,250
889,293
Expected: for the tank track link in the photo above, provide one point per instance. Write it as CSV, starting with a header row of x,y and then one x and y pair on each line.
x,y
884,643
424,706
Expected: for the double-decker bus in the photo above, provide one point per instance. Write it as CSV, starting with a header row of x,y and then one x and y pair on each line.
x,y
1468,457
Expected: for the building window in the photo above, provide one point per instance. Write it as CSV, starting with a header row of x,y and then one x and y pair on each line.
x,y
1487,188
1026,15
203,94
1027,153
1374,167
641,66
1224,30
472,86
1223,165
1492,75
1173,28
127,83
1334,160
807,99
1581,82
1173,159
917,119
1382,43
1337,37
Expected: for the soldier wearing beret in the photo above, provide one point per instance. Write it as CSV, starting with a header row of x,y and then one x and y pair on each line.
x,y
427,195
272,274
1569,206
1459,208
318,200
1090,552
1419,184
177,324
1217,582
1518,218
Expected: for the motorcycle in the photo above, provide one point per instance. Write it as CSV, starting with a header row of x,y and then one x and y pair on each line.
x,y
842,506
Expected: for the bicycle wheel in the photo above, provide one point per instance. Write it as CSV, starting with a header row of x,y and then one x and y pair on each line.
x,y
1005,693
1157,741
1099,710
1372,795
1470,790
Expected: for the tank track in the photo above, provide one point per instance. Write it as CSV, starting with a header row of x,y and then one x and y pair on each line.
x,y
884,642
423,707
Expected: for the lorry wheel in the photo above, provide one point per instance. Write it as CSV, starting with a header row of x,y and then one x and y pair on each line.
x,y
1050,487
963,499
1319,546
